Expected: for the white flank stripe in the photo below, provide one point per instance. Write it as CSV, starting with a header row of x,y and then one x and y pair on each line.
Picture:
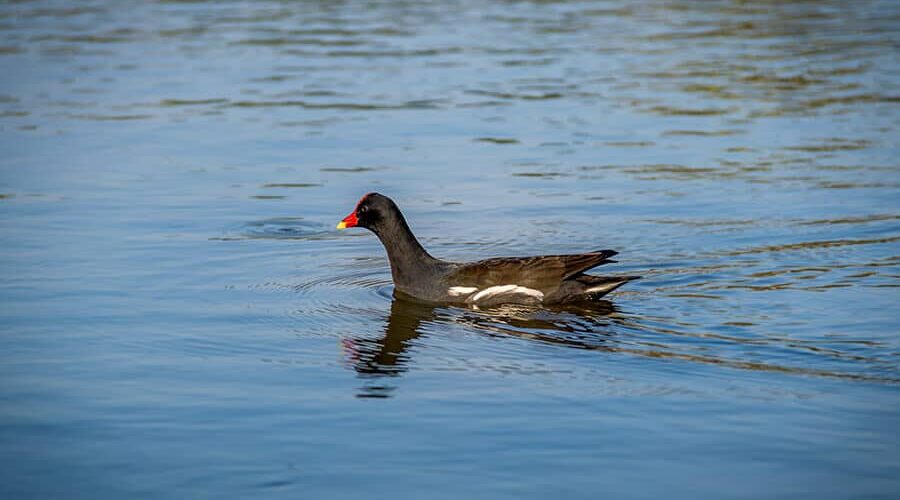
x,y
459,291
494,291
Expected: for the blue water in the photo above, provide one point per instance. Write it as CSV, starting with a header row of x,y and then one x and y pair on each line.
x,y
179,319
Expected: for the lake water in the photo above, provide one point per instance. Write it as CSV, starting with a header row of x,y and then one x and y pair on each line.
x,y
180,319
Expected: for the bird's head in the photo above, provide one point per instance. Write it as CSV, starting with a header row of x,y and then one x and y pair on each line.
x,y
371,212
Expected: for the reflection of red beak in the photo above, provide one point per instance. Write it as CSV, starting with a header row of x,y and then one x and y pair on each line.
x,y
349,221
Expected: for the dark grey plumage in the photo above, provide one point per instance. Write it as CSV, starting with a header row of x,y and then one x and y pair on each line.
x,y
548,279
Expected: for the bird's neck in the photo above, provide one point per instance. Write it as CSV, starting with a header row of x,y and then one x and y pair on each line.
x,y
408,259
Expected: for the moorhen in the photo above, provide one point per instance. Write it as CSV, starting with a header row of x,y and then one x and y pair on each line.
x,y
546,279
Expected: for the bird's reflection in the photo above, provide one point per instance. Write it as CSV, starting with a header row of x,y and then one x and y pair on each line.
x,y
377,359
386,354
594,326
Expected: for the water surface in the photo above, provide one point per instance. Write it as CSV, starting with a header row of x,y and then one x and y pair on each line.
x,y
179,317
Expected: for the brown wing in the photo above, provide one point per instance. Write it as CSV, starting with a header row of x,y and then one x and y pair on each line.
x,y
543,273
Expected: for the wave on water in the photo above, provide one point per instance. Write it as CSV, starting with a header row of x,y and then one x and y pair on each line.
x,y
279,228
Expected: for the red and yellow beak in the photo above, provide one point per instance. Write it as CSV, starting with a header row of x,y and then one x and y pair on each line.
x,y
348,221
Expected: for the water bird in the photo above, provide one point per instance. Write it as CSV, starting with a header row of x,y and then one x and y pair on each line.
x,y
536,280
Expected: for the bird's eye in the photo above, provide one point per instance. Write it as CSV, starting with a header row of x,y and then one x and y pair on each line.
x,y
363,209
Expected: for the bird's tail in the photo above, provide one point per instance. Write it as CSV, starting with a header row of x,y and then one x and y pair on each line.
x,y
598,286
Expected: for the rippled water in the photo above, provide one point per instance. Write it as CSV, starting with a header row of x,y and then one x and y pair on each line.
x,y
179,317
